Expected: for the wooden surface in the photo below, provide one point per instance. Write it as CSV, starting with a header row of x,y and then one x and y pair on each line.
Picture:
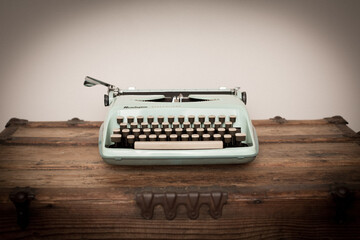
x,y
287,192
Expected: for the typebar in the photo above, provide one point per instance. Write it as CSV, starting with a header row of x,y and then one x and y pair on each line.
x,y
181,145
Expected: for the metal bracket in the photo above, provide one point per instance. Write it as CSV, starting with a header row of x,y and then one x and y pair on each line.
x,y
21,197
343,199
192,201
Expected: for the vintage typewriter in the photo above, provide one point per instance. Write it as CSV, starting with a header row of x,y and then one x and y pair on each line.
x,y
175,127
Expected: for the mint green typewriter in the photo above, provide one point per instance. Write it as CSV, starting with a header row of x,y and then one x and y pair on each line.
x,y
176,127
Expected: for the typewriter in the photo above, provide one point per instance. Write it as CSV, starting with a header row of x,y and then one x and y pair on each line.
x,y
175,127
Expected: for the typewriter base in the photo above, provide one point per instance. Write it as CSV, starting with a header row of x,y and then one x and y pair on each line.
x,y
303,184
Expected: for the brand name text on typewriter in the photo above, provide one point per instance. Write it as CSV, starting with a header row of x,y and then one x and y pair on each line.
x,y
173,127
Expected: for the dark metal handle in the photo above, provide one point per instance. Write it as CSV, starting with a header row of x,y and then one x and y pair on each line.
x,y
90,82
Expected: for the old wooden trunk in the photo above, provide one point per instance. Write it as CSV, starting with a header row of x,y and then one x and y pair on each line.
x,y
305,183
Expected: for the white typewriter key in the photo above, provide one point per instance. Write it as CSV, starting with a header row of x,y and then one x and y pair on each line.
x,y
228,124
160,119
116,131
165,125
222,118
120,119
152,137
178,131
189,131
171,119
183,145
147,131
136,133
150,119
227,138
217,125
123,126
221,131
211,131
168,131
181,119
232,118
157,131
232,131
200,131
130,119
207,125
240,137
185,137
162,137
144,125
186,124
212,119
191,119
154,125
206,137
201,119
176,124
140,119
173,137
142,137
195,137
133,125
217,137
115,138
197,124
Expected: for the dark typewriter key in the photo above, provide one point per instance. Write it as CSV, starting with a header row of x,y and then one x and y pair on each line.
x,y
154,125
171,119
191,119
157,131
227,140
211,131
176,125
173,137
144,125
212,119
152,137
206,137
116,131
165,125
240,137
123,126
189,131
197,125
207,125
181,119
222,118
125,132
238,130
136,133
150,119
133,125
232,118
195,137
201,119
142,137
162,137
217,137
200,131
147,131
221,131
160,119
168,131
130,119
115,138
228,125
178,131
131,140
120,119
140,119
185,137
186,124
217,125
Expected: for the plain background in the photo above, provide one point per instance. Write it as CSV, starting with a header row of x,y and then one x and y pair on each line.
x,y
296,59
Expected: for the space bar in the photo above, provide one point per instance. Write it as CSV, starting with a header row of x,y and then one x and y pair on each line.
x,y
181,145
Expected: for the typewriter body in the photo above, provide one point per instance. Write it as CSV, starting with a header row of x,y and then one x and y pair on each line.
x,y
176,127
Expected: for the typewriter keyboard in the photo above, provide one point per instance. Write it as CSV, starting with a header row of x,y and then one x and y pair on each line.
x,y
177,132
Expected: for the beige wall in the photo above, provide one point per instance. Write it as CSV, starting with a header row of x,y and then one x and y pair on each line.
x,y
297,59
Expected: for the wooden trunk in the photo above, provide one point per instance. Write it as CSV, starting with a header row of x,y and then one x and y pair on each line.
x,y
305,183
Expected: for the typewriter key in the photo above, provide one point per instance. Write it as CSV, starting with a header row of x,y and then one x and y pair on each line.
x,y
206,137
147,131
200,131
144,125
116,131
171,119
115,138
165,125
173,137
150,119
162,137
207,125
152,137
212,119
123,126
190,131
227,139
136,132
133,125
168,131
195,137
157,131
191,119
181,119
232,118
222,118
160,119
197,124
130,119
232,131
120,119
185,137
217,125
211,131
176,124
140,119
221,131
125,132
217,137
228,124
131,139
154,125
142,137
186,124
178,131
201,119
240,137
